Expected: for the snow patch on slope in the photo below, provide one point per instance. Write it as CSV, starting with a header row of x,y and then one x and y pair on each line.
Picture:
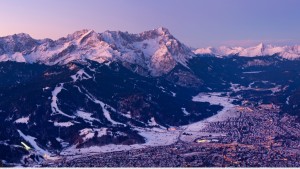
x,y
22,120
85,115
63,124
54,106
186,113
89,133
81,75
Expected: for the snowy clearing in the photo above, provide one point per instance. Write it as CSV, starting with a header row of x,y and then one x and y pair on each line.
x,y
63,124
86,115
81,75
185,112
213,99
154,137
89,133
22,120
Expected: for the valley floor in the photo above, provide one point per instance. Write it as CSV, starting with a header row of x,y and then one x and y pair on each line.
x,y
252,137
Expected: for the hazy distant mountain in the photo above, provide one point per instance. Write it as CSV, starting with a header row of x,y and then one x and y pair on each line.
x,y
287,52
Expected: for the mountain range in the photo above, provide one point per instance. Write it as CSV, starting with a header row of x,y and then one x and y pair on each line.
x,y
155,51
116,91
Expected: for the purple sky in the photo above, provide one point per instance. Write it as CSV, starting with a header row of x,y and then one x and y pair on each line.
x,y
197,23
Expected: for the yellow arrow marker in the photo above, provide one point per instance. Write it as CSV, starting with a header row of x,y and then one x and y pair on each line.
x,y
25,146
202,141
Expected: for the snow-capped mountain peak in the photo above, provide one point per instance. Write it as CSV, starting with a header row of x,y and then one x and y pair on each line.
x,y
14,47
253,51
162,31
